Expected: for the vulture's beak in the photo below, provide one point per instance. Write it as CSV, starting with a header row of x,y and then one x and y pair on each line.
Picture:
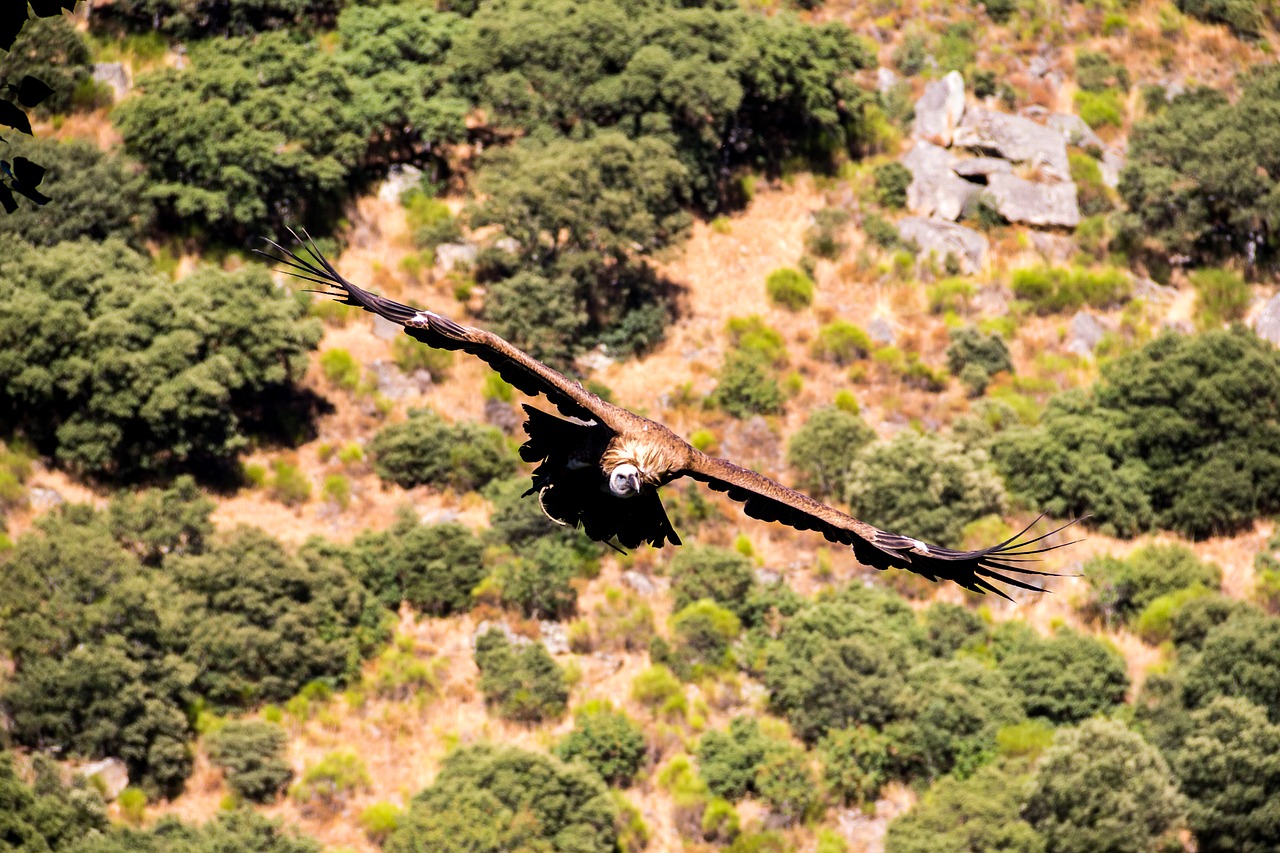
x,y
634,480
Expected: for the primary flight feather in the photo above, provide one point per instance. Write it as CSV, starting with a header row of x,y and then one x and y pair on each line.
x,y
601,466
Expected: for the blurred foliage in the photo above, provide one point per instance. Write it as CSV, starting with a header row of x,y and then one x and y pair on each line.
x,y
53,50
521,682
1122,589
427,450
252,755
433,567
607,741
823,449
1067,677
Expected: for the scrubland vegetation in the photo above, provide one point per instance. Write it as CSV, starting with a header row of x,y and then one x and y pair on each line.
x,y
275,564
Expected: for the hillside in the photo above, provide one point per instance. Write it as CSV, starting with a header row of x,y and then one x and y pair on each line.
x,y
348,624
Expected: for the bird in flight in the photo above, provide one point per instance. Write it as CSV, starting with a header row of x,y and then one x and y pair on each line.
x,y
600,466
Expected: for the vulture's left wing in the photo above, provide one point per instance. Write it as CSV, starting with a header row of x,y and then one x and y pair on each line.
x,y
766,500
515,366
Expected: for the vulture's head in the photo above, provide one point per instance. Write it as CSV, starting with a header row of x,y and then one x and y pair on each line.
x,y
624,481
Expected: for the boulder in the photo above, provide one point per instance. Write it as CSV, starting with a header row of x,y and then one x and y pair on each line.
x,y
1113,160
502,415
451,255
1084,334
394,384
1014,138
400,178
935,189
554,637
1074,130
946,238
41,498
111,774
640,582
114,75
940,109
1031,203
886,79
385,329
881,331
979,169
1267,323
767,577
510,245
486,626
1054,248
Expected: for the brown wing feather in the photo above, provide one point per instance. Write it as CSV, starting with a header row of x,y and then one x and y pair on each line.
x,y
767,500
515,366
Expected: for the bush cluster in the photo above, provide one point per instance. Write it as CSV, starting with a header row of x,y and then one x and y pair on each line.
x,y
523,683
1054,289
427,450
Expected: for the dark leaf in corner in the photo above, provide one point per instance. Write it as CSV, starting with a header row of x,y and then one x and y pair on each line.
x,y
6,200
10,26
11,116
32,91
28,173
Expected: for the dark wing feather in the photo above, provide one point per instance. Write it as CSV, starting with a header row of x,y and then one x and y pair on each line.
x,y
766,500
515,366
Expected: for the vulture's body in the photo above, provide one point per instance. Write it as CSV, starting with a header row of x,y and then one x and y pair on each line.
x,y
600,466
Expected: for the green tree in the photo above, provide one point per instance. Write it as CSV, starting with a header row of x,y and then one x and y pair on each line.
x,y
48,815
929,486
823,448
1198,182
705,571
607,741
1171,435
1229,768
855,763
537,580
1121,589
253,756
53,50
118,372
433,567
1067,677
950,628
196,18
973,815
1240,657
1101,788
242,830
488,799
427,450
272,133
523,683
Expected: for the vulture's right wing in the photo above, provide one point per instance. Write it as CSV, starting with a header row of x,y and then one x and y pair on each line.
x,y
978,571
517,367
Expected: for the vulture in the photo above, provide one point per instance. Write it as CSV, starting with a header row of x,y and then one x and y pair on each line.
x,y
599,467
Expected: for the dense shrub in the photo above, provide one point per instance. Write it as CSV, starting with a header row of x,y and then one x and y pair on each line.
x,y
246,159
1228,769
241,830
433,567
253,756
195,18
841,342
607,741
521,682
96,194
1122,589
790,288
537,580
1174,434
1240,657
822,239
1054,289
1246,18
1101,787
823,448
705,571
982,812
982,357
892,180
746,387
855,763
924,486
504,798
427,450
948,628
954,709
1175,205
702,633
1066,678
842,662
102,366
50,814
743,760
54,51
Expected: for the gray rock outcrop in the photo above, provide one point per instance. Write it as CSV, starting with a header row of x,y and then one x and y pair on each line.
x,y
940,108
881,331
1267,323
935,188
640,582
1031,203
114,75
1074,130
1113,160
1014,138
452,255
981,167
111,773
1084,334
1054,248
946,238
400,178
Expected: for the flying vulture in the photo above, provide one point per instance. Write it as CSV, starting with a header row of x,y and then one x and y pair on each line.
x,y
600,466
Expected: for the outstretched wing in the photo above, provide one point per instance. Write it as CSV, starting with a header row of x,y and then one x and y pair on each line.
x,y
517,367
766,500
